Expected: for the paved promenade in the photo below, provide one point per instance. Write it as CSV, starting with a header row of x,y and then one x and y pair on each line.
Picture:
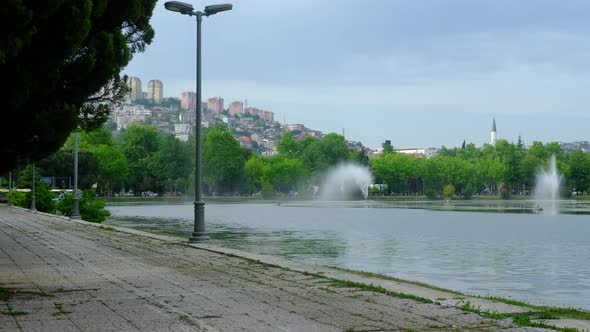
x,y
60,275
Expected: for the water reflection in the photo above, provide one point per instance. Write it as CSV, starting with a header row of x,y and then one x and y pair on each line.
x,y
537,258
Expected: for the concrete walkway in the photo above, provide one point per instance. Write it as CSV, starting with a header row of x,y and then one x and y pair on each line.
x,y
61,275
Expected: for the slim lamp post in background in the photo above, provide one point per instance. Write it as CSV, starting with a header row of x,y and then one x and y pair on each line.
x,y
76,207
33,207
10,188
199,233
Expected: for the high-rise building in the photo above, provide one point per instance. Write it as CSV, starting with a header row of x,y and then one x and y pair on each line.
x,y
265,115
215,104
493,133
236,107
188,100
134,85
156,91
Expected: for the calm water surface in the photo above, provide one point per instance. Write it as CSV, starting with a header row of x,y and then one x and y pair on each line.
x,y
541,259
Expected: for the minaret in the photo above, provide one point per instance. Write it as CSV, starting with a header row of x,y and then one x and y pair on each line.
x,y
493,134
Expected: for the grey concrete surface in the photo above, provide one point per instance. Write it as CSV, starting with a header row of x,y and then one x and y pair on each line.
x,y
61,275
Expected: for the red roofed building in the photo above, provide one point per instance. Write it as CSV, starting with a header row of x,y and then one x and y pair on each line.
x,y
245,142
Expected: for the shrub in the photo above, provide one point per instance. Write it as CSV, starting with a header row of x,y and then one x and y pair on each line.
x,y
43,198
20,199
430,193
449,190
91,208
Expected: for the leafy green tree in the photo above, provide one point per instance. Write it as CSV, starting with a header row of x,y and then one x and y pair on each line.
x,y
25,176
254,170
528,169
223,160
387,149
537,149
469,153
61,165
490,172
579,165
555,149
394,169
360,157
319,155
267,190
100,136
113,169
63,60
468,190
172,161
140,143
288,146
453,170
511,158
446,152
284,173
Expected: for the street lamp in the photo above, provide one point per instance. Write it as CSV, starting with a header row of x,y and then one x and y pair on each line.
x,y
199,234
76,208
33,207
10,188
34,139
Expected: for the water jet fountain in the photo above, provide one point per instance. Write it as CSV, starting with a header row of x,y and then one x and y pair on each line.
x,y
346,181
547,188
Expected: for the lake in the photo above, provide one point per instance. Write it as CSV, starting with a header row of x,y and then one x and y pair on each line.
x,y
489,248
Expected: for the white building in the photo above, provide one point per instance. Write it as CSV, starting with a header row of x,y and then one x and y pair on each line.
x,y
419,152
181,131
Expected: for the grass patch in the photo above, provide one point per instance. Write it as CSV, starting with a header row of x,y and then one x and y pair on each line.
x,y
343,283
386,277
468,306
5,294
378,289
11,312
546,312
60,309
525,320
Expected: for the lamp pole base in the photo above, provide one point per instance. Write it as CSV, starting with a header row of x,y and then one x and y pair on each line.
x,y
198,237
75,213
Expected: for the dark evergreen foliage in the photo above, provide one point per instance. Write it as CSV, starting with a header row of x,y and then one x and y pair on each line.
x,y
62,60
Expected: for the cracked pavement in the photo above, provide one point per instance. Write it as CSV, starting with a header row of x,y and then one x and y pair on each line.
x,y
60,275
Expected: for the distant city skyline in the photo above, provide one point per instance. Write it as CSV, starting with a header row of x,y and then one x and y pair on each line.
x,y
416,73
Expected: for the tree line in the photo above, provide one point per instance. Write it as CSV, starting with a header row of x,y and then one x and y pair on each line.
x,y
504,168
141,158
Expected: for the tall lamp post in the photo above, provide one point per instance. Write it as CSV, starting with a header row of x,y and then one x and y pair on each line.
x,y
10,188
76,207
199,234
33,207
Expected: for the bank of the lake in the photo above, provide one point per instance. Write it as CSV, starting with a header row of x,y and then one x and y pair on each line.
x,y
540,259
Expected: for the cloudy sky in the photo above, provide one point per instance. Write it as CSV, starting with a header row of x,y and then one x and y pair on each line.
x,y
419,73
